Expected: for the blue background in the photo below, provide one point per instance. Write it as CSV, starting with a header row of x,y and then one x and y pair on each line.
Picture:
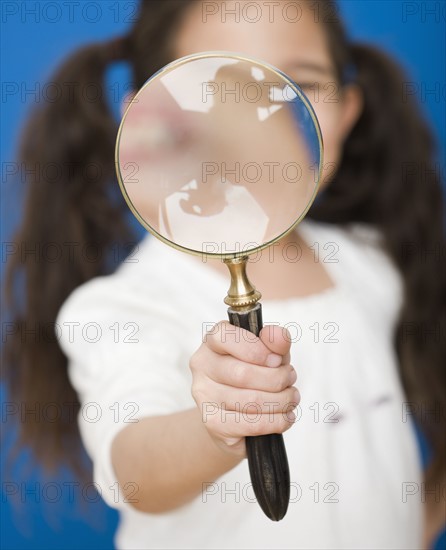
x,y
36,37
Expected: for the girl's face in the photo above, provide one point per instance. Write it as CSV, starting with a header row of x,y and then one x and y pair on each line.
x,y
290,39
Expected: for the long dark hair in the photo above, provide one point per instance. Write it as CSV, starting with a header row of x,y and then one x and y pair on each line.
x,y
386,178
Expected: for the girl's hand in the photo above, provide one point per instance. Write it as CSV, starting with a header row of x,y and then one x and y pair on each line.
x,y
243,385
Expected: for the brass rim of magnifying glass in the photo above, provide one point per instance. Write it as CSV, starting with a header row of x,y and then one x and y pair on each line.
x,y
240,57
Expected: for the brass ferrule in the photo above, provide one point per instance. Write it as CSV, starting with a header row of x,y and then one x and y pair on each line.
x,y
242,294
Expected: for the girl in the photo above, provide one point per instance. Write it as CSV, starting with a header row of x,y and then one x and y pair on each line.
x,y
157,409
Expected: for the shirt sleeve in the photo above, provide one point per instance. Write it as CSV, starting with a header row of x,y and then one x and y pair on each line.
x,y
126,360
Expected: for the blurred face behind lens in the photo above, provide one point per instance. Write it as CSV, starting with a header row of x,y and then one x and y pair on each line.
x,y
198,132
205,150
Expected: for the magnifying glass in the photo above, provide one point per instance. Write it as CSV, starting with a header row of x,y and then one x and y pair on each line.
x,y
220,155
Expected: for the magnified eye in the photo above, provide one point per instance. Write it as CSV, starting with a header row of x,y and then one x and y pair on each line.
x,y
306,85
322,92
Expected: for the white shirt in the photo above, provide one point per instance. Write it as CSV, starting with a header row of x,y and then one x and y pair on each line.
x,y
355,482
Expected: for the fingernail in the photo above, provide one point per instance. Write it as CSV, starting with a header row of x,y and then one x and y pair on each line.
x,y
273,360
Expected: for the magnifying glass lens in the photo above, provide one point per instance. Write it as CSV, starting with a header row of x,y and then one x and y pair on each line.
x,y
219,154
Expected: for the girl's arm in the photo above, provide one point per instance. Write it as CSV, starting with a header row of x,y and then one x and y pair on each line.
x,y
169,458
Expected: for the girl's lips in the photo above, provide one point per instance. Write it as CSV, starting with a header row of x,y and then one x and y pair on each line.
x,y
154,139
143,155
155,103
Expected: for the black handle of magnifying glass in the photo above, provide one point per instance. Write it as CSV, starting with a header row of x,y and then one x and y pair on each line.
x,y
267,459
